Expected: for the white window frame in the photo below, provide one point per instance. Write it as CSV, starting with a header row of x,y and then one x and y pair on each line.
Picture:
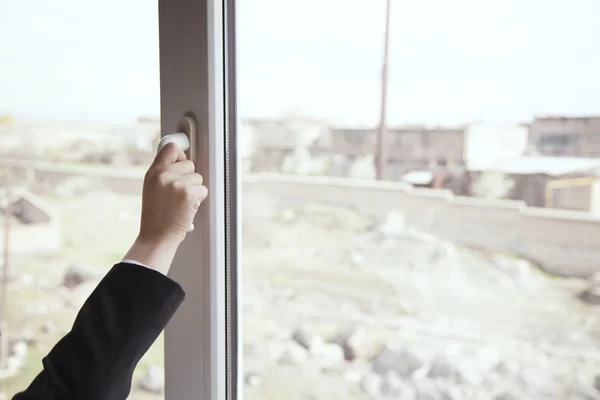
x,y
193,78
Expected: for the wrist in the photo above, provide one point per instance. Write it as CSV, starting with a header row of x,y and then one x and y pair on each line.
x,y
156,254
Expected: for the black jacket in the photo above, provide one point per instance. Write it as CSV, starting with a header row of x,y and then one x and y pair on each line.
x,y
114,328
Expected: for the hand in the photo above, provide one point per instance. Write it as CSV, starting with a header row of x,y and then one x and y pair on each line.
x,y
171,196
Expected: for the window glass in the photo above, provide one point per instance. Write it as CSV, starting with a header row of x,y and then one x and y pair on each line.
x,y
451,280
79,110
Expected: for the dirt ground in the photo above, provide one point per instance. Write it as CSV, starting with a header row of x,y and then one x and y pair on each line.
x,y
328,268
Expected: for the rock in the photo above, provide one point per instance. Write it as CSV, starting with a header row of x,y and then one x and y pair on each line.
x,y
443,368
288,215
356,259
48,327
26,336
507,368
328,354
539,380
371,385
450,393
391,385
14,364
42,309
506,396
582,391
73,187
402,361
26,281
293,354
356,343
591,295
394,224
20,350
597,383
427,392
153,381
304,337
77,274
249,349
253,379
353,375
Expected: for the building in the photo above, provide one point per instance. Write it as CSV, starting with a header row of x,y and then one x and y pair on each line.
x,y
565,136
487,144
554,182
409,148
268,143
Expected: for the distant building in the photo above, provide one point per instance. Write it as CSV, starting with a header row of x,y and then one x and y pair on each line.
x,y
565,136
409,148
555,182
269,142
487,144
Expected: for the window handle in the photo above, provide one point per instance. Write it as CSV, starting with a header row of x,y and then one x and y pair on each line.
x,y
180,139
185,137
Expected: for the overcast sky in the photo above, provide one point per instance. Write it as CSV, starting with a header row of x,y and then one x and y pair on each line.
x,y
450,61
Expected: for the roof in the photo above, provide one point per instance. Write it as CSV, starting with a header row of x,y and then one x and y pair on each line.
x,y
553,166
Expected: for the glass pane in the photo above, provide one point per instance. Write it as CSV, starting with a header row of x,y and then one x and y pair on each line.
x,y
79,108
468,273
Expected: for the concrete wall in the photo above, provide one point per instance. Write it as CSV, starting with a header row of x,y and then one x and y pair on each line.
x,y
563,242
99,178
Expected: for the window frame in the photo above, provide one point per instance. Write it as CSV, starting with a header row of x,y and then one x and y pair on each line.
x,y
197,77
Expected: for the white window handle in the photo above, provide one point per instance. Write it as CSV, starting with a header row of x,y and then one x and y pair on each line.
x,y
185,137
180,139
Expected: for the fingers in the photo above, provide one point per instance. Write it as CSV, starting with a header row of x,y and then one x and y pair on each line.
x,y
170,154
191,179
184,167
196,194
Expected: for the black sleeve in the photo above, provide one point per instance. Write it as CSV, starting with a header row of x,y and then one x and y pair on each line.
x,y
114,328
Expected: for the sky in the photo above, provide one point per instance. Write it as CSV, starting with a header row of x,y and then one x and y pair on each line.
x,y
450,61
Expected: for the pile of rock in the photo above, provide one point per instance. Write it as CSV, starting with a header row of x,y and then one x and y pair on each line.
x,y
591,295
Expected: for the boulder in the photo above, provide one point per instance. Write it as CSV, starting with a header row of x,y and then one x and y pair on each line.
x,y
328,355
252,379
403,361
304,336
356,343
77,274
293,354
591,295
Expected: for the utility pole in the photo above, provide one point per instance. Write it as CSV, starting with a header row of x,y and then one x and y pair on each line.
x,y
381,156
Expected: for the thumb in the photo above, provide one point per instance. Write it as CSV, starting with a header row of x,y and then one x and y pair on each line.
x,y
169,154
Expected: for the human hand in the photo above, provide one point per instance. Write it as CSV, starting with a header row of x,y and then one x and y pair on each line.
x,y
171,197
